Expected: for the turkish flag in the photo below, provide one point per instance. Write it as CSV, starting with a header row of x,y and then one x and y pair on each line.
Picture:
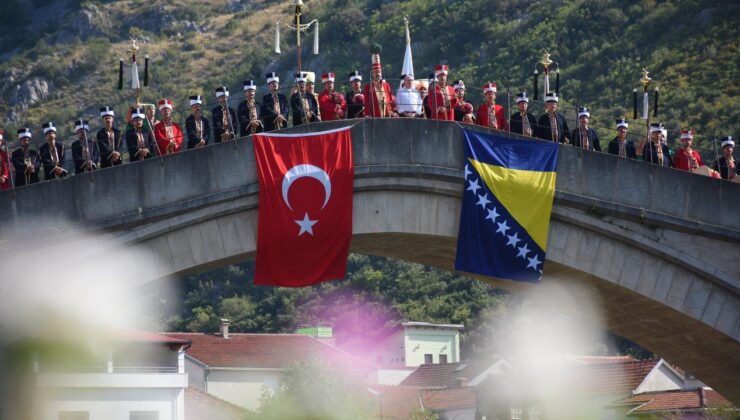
x,y
305,207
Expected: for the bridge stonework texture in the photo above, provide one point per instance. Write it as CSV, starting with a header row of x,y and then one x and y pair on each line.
x,y
657,250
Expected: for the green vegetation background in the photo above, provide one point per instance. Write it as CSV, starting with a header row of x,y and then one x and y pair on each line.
x,y
690,47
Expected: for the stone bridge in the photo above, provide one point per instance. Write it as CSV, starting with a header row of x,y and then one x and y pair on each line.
x,y
658,249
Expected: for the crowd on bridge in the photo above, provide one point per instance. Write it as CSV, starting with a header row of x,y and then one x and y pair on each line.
x,y
147,135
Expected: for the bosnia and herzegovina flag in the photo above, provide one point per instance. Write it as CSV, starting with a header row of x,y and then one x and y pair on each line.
x,y
505,215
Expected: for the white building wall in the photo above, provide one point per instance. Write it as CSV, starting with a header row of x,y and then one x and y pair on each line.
x,y
242,387
421,341
196,375
390,353
464,414
114,404
660,379
392,376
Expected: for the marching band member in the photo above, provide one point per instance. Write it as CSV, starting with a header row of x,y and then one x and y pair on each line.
x,y
654,151
139,141
583,136
552,125
52,153
523,122
620,144
686,158
310,90
223,117
422,86
248,112
274,105
84,152
489,114
197,127
304,106
25,160
441,96
377,93
727,165
354,98
5,183
167,133
109,140
332,105
462,109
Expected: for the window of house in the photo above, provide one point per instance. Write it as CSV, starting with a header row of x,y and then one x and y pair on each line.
x,y
516,413
442,359
428,359
534,413
74,415
143,415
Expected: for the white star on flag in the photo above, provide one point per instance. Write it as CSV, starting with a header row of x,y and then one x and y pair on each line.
x,y
492,214
533,262
513,240
483,200
502,228
467,171
523,251
474,187
305,225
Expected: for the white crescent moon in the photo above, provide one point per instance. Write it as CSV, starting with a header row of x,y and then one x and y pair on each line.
x,y
299,171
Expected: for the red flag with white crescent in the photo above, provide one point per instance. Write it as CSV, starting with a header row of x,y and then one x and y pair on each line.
x,y
305,207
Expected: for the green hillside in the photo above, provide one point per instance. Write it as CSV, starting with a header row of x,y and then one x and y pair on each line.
x,y
59,61
690,47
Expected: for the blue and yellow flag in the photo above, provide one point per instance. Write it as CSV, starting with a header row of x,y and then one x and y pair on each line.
x,y
505,214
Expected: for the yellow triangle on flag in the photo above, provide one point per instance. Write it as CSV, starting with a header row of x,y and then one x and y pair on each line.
x,y
526,195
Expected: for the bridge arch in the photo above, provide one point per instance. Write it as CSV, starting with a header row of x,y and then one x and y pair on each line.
x,y
658,247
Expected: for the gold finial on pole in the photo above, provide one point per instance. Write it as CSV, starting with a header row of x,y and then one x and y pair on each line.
x,y
546,62
645,79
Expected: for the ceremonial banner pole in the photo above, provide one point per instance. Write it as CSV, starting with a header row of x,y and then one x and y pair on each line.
x,y
298,28
89,156
645,80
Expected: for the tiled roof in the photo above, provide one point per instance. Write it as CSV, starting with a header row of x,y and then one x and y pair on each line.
x,y
264,351
446,375
202,406
610,377
132,335
676,400
448,399
597,360
398,401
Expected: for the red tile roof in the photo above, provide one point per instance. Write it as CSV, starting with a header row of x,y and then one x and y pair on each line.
x,y
446,375
202,406
610,377
264,351
448,399
132,335
597,360
676,400
398,401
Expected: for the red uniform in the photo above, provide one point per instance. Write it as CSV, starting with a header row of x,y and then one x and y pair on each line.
x,y
482,117
681,159
4,170
437,100
163,133
329,109
373,107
